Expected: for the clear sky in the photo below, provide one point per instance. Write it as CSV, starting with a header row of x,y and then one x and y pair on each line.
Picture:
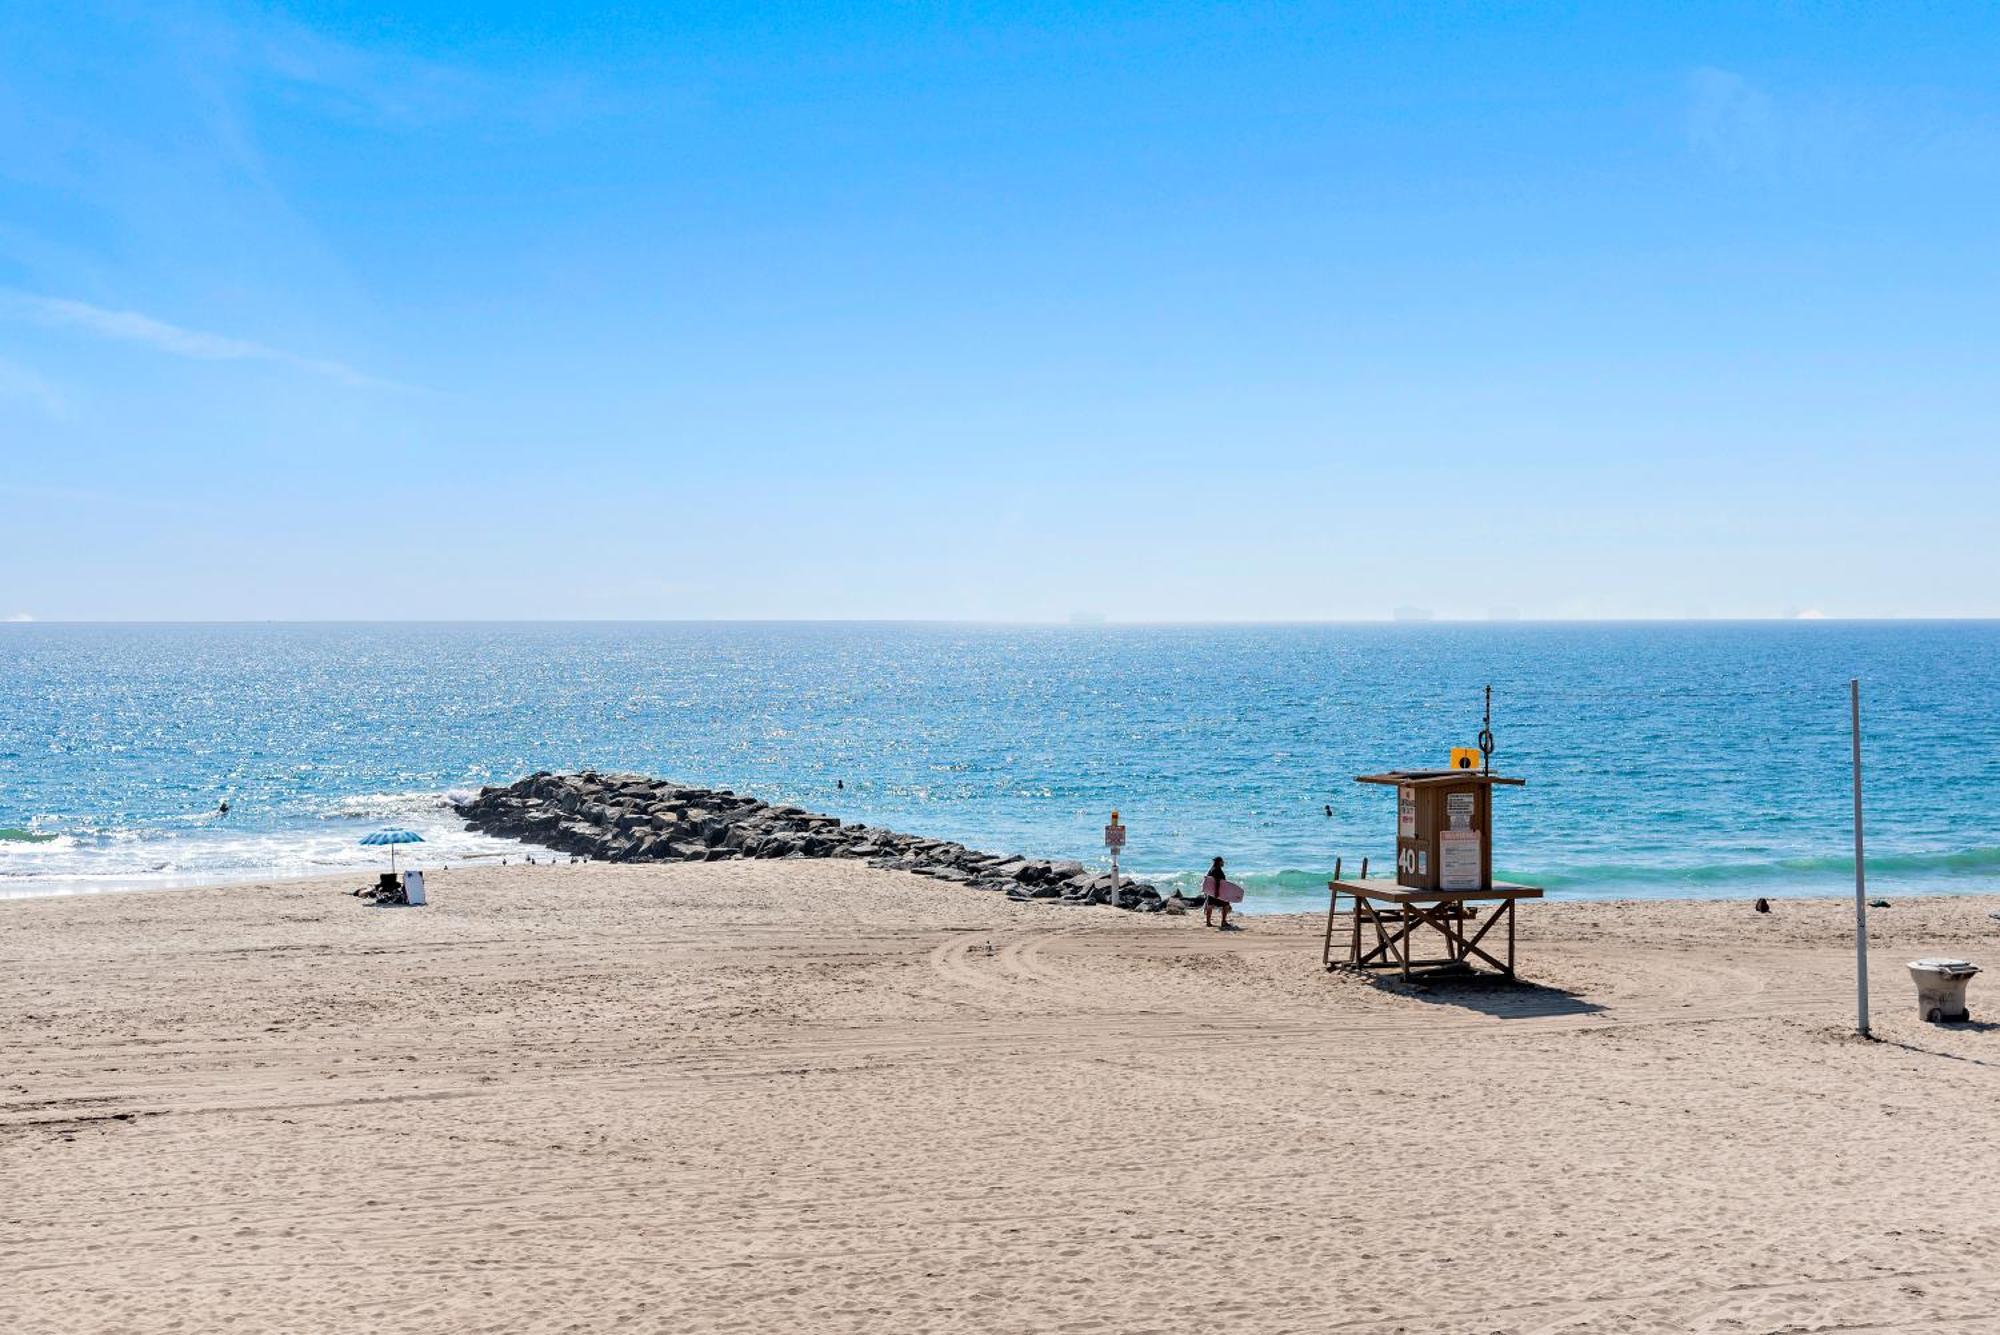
x,y
1007,311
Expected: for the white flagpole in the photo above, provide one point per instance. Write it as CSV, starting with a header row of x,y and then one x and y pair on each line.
x,y
1860,871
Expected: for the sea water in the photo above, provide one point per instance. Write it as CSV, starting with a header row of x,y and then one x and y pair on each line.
x,y
1698,759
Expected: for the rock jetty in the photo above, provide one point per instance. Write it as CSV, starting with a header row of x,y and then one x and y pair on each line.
x,y
631,818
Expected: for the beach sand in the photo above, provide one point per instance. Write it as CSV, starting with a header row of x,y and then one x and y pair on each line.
x,y
800,1096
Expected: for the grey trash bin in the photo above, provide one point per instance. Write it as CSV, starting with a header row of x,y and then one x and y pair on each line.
x,y
1941,988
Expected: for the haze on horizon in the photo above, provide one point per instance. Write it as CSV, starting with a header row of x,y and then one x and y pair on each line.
x,y
1154,312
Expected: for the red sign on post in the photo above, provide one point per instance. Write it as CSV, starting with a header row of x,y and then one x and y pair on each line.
x,y
1114,836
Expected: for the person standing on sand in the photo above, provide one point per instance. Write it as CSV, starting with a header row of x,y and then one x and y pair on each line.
x,y
1211,896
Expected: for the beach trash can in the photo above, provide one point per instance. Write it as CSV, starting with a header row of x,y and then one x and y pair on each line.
x,y
1941,988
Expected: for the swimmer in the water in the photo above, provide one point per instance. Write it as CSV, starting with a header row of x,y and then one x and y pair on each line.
x,y
223,810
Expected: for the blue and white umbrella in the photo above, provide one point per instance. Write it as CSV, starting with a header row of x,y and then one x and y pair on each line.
x,y
392,838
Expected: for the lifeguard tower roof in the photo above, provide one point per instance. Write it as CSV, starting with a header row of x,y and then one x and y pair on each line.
x,y
1419,778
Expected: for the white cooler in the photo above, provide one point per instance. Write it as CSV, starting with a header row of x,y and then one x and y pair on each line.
x,y
1941,988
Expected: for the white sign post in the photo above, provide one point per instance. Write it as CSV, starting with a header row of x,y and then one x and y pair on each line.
x,y
1860,870
1114,839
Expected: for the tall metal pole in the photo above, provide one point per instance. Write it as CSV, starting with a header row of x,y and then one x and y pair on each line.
x,y
1860,871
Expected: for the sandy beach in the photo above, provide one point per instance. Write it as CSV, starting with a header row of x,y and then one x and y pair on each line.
x,y
812,1096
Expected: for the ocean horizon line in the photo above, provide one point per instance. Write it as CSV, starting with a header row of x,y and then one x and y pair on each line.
x,y
1071,623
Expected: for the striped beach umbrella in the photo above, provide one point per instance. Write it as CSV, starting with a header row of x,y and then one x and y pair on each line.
x,y
392,838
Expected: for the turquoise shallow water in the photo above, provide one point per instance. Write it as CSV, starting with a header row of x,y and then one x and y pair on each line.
x,y
1663,760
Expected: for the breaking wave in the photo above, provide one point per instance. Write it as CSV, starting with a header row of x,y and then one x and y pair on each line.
x,y
1293,889
320,839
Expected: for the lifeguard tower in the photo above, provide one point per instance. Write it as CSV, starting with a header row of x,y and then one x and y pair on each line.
x,y
1444,869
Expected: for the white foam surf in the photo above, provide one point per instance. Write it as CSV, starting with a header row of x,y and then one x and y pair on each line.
x,y
321,841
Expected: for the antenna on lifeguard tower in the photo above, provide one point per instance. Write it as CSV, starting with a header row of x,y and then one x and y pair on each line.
x,y
1486,736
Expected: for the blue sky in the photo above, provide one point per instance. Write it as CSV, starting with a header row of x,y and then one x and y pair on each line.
x,y
1012,311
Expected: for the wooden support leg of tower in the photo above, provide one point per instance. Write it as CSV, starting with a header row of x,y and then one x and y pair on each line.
x,y
1332,906
1510,938
1471,944
1409,930
1402,920
1446,920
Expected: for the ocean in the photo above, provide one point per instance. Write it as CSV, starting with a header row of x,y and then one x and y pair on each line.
x,y
1662,760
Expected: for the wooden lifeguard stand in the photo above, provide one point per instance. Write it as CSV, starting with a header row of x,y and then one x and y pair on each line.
x,y
1444,866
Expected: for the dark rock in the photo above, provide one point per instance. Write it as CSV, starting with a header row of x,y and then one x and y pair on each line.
x,y
632,817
